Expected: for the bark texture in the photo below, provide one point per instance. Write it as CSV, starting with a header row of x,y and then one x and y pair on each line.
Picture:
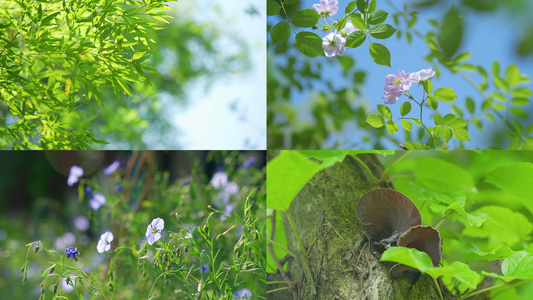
x,y
340,265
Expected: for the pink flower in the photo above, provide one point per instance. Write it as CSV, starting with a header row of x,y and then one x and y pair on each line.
x,y
333,44
395,85
326,8
422,75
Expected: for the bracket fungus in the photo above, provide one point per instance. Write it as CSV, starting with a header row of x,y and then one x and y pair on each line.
x,y
386,214
388,219
422,238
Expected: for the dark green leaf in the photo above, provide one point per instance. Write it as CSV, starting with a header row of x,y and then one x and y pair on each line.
x,y
273,7
309,44
355,39
451,33
357,21
380,54
305,18
382,31
377,17
405,108
280,33
350,7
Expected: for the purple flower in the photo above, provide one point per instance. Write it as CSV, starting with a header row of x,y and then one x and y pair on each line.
x,y
333,44
81,223
242,294
326,8
88,190
185,181
219,179
205,268
112,168
71,252
395,85
75,174
119,188
153,232
104,244
422,75
249,162
97,201
227,211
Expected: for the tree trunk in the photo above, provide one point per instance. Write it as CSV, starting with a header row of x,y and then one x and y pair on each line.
x,y
340,263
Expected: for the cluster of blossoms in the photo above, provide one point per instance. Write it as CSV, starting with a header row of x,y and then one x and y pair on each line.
x,y
333,42
396,85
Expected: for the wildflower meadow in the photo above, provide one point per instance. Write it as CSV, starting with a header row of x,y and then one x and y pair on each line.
x,y
133,225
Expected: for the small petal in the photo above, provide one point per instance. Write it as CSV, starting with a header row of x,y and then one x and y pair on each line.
x,y
112,168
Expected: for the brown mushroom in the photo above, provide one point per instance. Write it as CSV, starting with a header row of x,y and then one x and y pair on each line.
x,y
425,239
422,238
386,214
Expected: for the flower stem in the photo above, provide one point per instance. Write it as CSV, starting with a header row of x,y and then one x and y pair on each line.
x,y
485,290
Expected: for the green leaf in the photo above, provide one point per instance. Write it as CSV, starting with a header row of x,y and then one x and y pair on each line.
x,y
288,173
520,101
441,176
361,5
328,158
451,33
405,108
495,68
355,39
462,273
433,102
470,218
280,32
470,105
515,180
305,18
506,226
445,94
350,7
384,111
518,266
372,6
392,127
501,252
309,44
273,8
48,18
408,256
446,134
138,55
383,31
461,134
518,111
522,92
377,17
448,119
406,125
358,22
375,120
380,54
513,75
428,86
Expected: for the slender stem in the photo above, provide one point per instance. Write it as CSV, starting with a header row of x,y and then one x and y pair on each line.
x,y
441,220
393,162
297,236
278,282
277,290
485,290
374,180
287,16
438,288
283,248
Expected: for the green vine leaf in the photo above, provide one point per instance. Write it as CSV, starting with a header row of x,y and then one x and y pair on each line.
x,y
305,18
280,32
309,44
405,108
380,54
445,94
375,120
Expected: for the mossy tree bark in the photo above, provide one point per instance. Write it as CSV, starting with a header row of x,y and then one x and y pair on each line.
x,y
340,265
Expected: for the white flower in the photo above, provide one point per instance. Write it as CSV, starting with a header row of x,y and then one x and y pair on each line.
x,y
326,7
104,244
422,75
333,44
153,232
75,173
219,179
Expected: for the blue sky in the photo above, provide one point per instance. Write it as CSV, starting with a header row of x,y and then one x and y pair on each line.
x,y
487,36
231,114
